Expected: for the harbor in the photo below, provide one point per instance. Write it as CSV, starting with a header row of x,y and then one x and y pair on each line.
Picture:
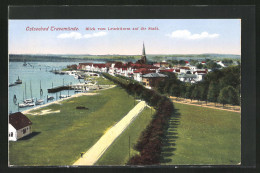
x,y
36,84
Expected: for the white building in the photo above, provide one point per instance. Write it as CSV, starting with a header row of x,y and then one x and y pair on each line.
x,y
19,126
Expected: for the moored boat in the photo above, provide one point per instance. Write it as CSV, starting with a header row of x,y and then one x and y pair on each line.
x,y
38,102
18,81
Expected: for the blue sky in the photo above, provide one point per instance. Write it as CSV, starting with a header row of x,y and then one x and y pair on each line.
x,y
175,36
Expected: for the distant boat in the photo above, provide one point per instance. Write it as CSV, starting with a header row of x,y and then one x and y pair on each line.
x,y
24,63
50,98
63,96
28,101
38,102
23,105
18,81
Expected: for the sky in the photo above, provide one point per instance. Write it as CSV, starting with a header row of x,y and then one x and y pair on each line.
x,y
173,36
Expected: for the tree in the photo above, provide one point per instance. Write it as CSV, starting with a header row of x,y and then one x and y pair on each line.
x,y
199,66
196,93
233,97
188,93
213,92
193,62
175,90
223,96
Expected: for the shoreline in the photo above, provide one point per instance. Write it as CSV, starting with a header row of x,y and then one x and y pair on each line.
x,y
60,100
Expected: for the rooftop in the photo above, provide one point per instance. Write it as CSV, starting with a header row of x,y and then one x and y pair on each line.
x,y
154,75
19,120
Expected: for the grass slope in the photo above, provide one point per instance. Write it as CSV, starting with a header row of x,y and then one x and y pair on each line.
x,y
202,136
118,152
59,138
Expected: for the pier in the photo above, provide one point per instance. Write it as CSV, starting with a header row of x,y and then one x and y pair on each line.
x,y
82,87
59,88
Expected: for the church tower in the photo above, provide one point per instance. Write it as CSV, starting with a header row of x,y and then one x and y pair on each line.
x,y
143,58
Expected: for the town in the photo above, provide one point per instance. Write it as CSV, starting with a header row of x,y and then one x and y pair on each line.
x,y
148,74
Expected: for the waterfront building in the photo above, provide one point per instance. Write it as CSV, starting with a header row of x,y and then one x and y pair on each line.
x,y
19,126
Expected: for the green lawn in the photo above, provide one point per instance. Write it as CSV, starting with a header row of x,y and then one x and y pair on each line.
x,y
199,135
58,138
118,152
100,80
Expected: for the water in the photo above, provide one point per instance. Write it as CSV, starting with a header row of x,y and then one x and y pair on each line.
x,y
34,74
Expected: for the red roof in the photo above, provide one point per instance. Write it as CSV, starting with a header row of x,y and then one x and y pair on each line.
x,y
187,68
186,62
144,71
168,70
99,65
19,120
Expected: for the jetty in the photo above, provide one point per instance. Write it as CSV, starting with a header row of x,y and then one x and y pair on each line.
x,y
78,87
59,88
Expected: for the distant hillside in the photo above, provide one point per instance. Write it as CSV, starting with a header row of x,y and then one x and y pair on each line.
x,y
133,58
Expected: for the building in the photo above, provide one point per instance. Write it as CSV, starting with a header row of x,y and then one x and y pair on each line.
x,y
149,80
143,59
19,126
190,78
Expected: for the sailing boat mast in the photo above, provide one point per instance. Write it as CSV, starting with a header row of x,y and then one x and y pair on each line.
x,y
25,91
31,89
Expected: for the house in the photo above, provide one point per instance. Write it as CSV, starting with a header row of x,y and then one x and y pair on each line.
x,y
138,74
151,79
221,63
184,69
19,126
191,78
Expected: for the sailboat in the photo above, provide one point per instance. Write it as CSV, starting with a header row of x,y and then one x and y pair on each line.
x,y
29,101
24,104
24,63
40,101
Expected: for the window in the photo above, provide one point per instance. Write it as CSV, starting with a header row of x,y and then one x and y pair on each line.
x,y
11,134
24,131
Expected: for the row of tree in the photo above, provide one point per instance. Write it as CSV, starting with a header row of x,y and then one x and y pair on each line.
x,y
219,86
150,142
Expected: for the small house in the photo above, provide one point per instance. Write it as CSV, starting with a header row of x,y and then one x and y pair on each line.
x,y
19,126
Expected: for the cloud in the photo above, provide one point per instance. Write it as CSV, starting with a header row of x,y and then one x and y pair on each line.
x,y
77,35
96,34
186,34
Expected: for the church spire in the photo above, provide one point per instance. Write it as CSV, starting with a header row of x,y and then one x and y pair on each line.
x,y
143,54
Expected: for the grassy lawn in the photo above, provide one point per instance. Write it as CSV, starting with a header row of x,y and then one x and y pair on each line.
x,y
118,152
202,136
58,138
99,80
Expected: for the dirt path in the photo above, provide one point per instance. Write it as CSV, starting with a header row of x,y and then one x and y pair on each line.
x,y
98,149
201,105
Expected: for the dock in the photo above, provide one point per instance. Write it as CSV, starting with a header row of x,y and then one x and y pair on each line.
x,y
59,88
83,87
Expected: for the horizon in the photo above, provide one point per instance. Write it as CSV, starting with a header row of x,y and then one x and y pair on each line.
x,y
127,55
125,36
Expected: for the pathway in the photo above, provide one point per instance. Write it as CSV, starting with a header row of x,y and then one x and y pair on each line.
x,y
206,106
98,149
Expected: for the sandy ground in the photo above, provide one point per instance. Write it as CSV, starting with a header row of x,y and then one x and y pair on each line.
x,y
44,112
209,104
59,101
98,149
